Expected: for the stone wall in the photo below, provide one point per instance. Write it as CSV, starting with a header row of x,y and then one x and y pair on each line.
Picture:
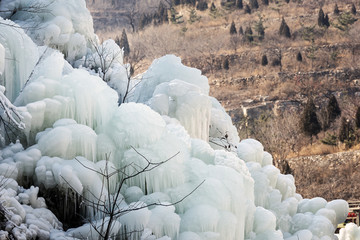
x,y
330,161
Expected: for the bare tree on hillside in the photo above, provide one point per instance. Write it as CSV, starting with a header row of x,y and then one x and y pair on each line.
x,y
280,135
132,14
234,42
210,50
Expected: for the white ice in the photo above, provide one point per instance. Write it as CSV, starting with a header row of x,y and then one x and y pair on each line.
x,y
178,143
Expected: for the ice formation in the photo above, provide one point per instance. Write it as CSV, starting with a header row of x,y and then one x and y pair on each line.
x,y
190,175
19,57
62,24
27,215
350,232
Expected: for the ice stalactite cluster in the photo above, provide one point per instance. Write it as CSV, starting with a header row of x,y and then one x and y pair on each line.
x,y
276,198
62,24
26,214
350,232
19,57
178,144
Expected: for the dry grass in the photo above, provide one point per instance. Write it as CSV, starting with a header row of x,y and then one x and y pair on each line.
x,y
332,178
319,149
211,36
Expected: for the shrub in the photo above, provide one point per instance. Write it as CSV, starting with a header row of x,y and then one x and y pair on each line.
x,y
321,17
357,117
309,122
284,29
276,62
225,64
346,132
239,4
233,28
299,57
202,6
247,9
336,9
333,110
264,60
254,4
249,34
353,9
241,31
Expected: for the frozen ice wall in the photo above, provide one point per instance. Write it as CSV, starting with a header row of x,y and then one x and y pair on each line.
x,y
178,144
350,232
166,69
180,92
57,91
18,58
65,25
275,196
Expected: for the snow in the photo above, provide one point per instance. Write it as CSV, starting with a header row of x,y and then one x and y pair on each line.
x,y
136,217
62,24
311,205
65,97
108,55
164,221
18,46
202,150
133,194
185,102
222,133
186,173
207,215
166,69
264,220
341,209
126,132
27,216
89,230
2,59
68,141
189,235
250,150
154,198
350,232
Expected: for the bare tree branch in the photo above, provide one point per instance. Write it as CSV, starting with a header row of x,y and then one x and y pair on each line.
x,y
110,208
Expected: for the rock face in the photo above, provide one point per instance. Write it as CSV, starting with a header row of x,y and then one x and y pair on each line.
x,y
330,176
113,16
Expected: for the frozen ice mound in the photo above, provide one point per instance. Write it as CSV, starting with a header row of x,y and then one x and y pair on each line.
x,y
186,174
62,24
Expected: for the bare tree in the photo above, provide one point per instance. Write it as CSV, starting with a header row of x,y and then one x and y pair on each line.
x,y
234,42
109,208
10,119
209,50
132,14
35,7
102,60
136,56
280,135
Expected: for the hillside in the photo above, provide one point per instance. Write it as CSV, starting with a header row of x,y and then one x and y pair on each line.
x,y
331,176
261,98
112,16
329,55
